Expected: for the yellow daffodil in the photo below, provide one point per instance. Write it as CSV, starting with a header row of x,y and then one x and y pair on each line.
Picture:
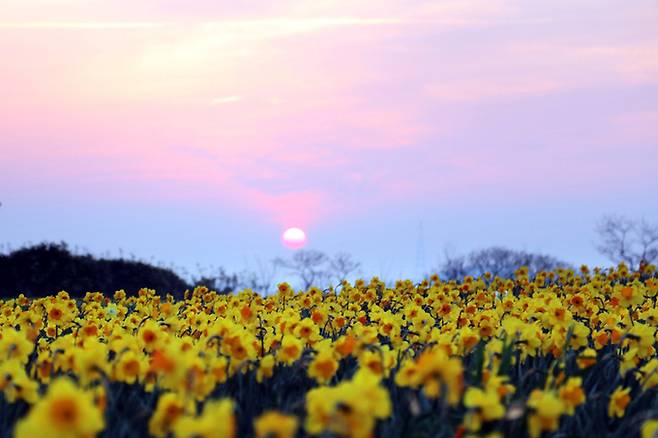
x,y
65,411
274,424
619,399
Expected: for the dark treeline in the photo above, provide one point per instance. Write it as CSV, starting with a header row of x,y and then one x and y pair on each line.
x,y
498,261
48,268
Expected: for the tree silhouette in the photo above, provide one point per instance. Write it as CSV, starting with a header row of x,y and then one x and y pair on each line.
x,y
315,268
633,242
497,261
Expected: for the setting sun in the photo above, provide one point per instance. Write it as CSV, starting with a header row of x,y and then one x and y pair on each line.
x,y
294,238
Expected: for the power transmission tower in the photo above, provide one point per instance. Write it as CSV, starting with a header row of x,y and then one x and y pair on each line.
x,y
420,252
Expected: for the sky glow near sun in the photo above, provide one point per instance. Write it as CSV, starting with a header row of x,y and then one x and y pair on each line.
x,y
368,114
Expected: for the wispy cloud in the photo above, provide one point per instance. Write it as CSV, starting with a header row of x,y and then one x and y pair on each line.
x,y
80,25
481,90
225,99
295,25
255,27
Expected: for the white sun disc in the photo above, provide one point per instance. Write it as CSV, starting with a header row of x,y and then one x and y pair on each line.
x,y
294,237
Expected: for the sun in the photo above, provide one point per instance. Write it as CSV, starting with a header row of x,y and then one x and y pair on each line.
x,y
294,238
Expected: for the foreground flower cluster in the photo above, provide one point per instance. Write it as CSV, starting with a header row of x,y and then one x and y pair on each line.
x,y
563,351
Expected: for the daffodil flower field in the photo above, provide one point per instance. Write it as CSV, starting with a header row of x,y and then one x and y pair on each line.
x,y
562,353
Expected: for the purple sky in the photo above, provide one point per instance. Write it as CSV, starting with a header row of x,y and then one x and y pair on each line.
x,y
196,132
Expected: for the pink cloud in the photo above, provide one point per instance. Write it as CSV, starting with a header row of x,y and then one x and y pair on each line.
x,y
477,91
585,63
309,110
639,125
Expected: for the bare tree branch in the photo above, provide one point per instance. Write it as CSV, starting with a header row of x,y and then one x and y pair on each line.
x,y
310,266
498,261
315,268
453,267
647,236
260,280
342,265
632,242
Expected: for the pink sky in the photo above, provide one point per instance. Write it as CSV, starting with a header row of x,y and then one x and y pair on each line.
x,y
346,118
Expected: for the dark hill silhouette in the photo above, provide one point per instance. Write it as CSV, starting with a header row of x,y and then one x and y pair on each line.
x,y
48,268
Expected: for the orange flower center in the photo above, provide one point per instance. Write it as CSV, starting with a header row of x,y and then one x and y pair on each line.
x,y
375,366
149,336
160,362
64,413
325,368
291,350
131,367
317,317
627,292
246,312
622,401
305,332
55,314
